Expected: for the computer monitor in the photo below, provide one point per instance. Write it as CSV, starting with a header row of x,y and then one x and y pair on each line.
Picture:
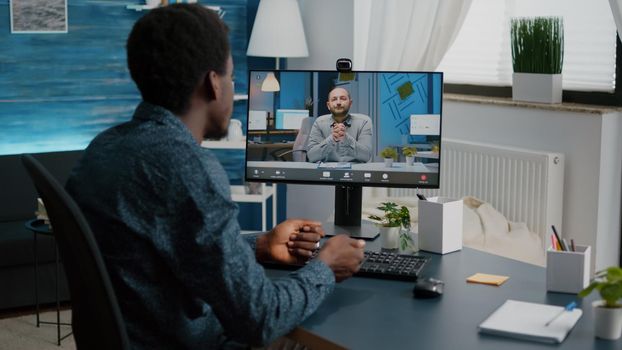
x,y
290,119
257,120
366,129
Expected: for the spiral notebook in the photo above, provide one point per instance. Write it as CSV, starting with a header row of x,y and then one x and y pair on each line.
x,y
522,320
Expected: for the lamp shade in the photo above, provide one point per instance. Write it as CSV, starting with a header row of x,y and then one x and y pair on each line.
x,y
278,30
270,84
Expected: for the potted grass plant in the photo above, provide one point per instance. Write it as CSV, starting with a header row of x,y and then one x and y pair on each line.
x,y
389,154
409,153
390,225
537,59
608,311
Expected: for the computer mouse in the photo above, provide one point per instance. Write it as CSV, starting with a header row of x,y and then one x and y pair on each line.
x,y
428,288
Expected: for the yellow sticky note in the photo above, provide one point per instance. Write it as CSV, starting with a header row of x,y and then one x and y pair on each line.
x,y
484,278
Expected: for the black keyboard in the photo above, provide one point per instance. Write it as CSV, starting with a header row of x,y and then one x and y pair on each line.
x,y
392,266
382,265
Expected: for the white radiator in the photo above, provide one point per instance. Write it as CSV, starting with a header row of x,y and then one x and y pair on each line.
x,y
524,185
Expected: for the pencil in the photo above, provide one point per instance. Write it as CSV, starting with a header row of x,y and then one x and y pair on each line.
x,y
559,241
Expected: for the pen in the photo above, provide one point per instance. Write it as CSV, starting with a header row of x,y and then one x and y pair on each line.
x,y
421,197
566,244
561,244
574,249
568,307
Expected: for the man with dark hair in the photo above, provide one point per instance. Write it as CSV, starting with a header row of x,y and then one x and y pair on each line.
x,y
340,136
160,207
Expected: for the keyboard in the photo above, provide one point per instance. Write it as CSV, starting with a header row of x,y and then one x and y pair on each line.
x,y
381,265
392,266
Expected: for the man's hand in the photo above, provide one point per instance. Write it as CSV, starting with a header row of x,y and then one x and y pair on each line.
x,y
343,255
290,242
338,132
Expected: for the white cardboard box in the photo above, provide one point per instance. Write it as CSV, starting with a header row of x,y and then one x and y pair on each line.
x,y
567,271
440,225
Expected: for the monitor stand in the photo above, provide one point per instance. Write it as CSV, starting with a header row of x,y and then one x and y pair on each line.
x,y
348,203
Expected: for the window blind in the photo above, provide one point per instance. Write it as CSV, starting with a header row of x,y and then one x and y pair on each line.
x,y
481,54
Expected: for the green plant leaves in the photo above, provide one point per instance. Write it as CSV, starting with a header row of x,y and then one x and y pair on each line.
x,y
409,151
611,293
608,283
588,290
406,241
394,216
614,274
537,45
389,152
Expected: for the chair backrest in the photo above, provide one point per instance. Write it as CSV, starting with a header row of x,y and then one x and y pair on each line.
x,y
96,318
302,138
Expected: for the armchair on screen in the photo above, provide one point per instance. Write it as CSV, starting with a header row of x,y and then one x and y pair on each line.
x,y
298,153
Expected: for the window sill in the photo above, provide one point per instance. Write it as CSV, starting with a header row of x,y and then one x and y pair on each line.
x,y
507,101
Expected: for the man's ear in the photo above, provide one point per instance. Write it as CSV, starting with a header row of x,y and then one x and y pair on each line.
x,y
328,105
212,85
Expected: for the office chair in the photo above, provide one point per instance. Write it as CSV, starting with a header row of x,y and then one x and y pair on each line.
x,y
299,150
96,318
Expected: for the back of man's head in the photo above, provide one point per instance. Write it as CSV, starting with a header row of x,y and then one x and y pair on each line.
x,y
171,48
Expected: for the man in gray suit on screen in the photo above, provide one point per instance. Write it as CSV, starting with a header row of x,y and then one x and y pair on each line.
x,y
340,136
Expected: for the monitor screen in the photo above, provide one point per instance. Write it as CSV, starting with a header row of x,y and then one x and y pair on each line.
x,y
359,128
257,120
290,119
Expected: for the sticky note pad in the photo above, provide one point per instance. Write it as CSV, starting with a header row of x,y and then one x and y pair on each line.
x,y
484,278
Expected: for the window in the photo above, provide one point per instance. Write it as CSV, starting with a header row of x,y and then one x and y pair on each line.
x,y
481,54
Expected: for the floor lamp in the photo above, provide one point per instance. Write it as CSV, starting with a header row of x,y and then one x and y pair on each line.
x,y
278,31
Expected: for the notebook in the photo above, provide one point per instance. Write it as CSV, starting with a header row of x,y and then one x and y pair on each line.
x,y
483,278
522,320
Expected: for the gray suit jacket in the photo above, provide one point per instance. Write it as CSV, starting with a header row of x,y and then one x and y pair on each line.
x,y
356,147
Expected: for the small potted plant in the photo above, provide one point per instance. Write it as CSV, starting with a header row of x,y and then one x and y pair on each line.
x,y
608,311
389,154
537,59
409,152
391,224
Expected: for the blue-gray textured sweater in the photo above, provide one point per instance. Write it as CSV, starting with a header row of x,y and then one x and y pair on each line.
x,y
161,211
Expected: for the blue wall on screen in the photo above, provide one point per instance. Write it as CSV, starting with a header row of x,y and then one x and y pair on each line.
x,y
295,88
421,95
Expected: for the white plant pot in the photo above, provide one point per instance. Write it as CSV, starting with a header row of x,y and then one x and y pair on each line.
x,y
388,162
390,237
544,88
410,160
607,321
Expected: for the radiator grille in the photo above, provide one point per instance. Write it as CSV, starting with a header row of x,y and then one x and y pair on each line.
x,y
524,185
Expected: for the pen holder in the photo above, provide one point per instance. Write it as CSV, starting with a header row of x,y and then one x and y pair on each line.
x,y
440,225
568,271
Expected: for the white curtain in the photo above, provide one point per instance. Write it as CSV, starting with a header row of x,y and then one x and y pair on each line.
x,y
405,34
616,9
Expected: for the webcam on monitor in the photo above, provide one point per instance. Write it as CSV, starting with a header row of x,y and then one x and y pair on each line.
x,y
344,64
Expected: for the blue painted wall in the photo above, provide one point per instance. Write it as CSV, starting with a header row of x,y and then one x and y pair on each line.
x,y
60,90
57,91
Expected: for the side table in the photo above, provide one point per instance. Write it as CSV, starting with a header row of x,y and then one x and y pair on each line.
x,y
39,227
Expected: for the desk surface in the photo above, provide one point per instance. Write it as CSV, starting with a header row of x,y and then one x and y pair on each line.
x,y
365,313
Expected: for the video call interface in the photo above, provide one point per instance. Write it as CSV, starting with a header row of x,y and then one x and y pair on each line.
x,y
369,128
